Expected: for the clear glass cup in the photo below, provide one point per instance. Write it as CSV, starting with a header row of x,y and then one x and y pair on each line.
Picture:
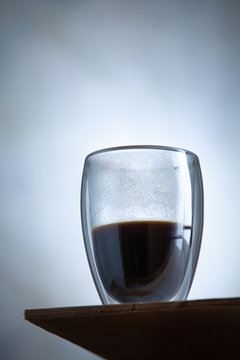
x,y
142,221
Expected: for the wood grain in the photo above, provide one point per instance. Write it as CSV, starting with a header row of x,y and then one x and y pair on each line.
x,y
189,329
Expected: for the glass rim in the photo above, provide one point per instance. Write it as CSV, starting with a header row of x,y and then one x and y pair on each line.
x,y
141,147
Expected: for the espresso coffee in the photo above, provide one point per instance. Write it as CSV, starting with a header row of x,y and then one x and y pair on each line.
x,y
140,258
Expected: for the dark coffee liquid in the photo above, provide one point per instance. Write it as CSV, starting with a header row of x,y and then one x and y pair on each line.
x,y
141,260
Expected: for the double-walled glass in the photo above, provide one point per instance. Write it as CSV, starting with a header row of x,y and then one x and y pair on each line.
x,y
142,220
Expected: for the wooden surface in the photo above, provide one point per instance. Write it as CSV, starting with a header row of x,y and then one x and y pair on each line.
x,y
187,329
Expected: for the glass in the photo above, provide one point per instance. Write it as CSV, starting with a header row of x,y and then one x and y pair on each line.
x,y
142,221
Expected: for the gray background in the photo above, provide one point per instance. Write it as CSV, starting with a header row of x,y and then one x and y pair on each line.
x,y
76,76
